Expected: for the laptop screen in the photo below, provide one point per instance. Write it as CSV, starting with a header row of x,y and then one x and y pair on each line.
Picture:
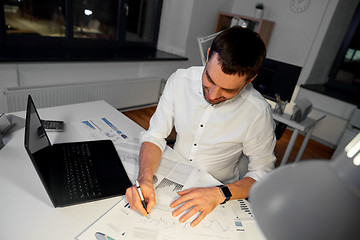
x,y
35,135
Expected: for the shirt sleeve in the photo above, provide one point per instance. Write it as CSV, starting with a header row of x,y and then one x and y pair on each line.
x,y
259,146
162,122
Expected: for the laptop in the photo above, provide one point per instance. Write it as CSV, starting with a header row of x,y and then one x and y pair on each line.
x,y
74,172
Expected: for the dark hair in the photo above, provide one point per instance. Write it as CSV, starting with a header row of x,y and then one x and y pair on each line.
x,y
240,51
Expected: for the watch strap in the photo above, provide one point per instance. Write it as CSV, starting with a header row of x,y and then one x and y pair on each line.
x,y
226,192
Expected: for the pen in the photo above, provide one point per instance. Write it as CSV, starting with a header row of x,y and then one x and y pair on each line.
x,y
101,236
141,195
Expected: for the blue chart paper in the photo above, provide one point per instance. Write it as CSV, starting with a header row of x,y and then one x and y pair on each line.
x,y
103,127
113,127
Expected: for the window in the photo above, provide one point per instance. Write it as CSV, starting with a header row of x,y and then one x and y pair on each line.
x,y
95,19
28,17
79,29
345,72
343,79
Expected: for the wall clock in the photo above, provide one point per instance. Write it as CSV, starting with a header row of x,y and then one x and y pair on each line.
x,y
299,6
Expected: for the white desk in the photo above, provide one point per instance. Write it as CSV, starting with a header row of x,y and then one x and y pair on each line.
x,y
26,211
305,126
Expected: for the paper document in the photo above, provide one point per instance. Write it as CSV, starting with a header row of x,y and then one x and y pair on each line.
x,y
233,220
123,223
104,128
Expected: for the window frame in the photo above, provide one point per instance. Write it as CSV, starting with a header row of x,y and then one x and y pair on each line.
x,y
22,47
350,33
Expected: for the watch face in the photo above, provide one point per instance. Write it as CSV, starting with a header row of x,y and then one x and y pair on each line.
x,y
226,192
298,6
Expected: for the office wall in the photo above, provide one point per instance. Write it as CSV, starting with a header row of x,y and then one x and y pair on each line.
x,y
47,74
187,20
8,78
175,18
203,21
293,33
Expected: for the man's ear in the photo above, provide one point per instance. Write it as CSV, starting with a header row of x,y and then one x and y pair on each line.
x,y
249,81
207,55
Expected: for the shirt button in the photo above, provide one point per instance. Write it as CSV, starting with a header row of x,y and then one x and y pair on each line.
x,y
195,144
190,160
201,125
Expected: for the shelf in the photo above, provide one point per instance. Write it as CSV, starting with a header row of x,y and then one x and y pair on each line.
x,y
262,27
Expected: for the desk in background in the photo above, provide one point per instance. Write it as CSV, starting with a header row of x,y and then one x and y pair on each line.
x,y
305,126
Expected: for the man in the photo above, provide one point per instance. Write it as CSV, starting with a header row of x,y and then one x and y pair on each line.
x,y
218,116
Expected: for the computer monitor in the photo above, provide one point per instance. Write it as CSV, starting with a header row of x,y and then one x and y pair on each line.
x,y
277,77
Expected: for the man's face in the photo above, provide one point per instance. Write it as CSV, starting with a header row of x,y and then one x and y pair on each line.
x,y
218,86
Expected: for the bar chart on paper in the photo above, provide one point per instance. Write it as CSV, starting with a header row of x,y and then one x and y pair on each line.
x,y
225,222
171,185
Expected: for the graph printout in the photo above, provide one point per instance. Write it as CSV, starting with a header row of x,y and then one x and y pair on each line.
x,y
123,223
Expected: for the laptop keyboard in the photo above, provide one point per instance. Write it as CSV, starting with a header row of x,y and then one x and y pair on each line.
x,y
80,174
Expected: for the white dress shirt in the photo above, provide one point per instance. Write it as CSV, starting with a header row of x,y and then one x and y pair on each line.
x,y
212,137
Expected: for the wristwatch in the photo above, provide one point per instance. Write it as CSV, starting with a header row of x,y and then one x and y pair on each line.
x,y
226,192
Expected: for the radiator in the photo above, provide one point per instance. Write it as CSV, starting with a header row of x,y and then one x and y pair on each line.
x,y
121,94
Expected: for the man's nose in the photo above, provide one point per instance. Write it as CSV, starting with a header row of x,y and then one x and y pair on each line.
x,y
214,92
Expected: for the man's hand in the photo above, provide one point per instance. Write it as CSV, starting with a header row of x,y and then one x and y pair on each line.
x,y
203,200
149,160
133,197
